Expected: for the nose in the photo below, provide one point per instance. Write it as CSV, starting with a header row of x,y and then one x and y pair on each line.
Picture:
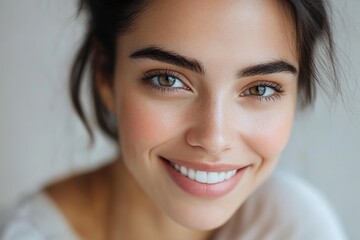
x,y
211,130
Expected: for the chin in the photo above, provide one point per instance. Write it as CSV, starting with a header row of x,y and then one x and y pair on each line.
x,y
207,221
203,216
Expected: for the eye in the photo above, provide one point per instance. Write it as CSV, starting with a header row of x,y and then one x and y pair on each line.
x,y
264,91
167,81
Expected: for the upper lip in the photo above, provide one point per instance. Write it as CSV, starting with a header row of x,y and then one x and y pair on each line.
x,y
206,167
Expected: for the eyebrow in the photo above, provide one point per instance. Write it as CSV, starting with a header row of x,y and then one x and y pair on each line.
x,y
159,54
162,55
276,66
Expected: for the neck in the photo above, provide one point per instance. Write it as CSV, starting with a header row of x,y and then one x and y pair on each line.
x,y
134,215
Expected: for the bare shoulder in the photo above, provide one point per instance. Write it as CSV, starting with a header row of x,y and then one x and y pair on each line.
x,y
82,199
66,209
72,191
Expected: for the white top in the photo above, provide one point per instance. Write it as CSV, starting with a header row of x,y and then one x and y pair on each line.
x,y
284,208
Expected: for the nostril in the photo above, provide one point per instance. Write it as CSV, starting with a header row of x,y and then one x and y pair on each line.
x,y
211,128
211,142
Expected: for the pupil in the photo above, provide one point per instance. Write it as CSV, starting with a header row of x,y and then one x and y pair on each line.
x,y
258,90
166,80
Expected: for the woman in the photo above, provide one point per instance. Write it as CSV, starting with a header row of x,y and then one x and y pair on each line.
x,y
200,97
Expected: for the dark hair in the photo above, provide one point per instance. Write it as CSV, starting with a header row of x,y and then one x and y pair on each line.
x,y
108,19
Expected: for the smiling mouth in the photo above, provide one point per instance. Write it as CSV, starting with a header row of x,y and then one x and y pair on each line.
x,y
203,179
203,176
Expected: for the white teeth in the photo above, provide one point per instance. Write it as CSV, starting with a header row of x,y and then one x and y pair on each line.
x,y
201,176
204,177
177,167
222,176
183,170
212,177
191,174
228,175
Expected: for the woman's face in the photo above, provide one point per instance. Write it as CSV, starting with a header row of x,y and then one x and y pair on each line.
x,y
211,87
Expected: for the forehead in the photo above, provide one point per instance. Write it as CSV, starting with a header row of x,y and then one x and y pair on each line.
x,y
216,32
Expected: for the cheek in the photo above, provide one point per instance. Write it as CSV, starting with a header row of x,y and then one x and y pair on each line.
x,y
269,134
143,124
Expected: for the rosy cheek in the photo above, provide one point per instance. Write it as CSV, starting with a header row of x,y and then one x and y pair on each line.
x,y
269,134
143,123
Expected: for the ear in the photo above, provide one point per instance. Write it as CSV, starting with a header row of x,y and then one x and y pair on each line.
x,y
103,79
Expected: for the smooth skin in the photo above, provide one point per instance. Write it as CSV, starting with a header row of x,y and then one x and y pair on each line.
x,y
223,114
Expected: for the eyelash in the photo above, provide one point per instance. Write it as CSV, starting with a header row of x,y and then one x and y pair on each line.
x,y
277,87
147,77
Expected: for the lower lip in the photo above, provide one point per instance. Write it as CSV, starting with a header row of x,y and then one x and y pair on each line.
x,y
203,190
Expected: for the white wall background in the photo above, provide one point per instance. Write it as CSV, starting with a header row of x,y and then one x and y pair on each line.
x,y
41,138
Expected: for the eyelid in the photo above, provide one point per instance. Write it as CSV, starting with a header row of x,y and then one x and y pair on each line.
x,y
147,76
155,72
277,87
268,83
